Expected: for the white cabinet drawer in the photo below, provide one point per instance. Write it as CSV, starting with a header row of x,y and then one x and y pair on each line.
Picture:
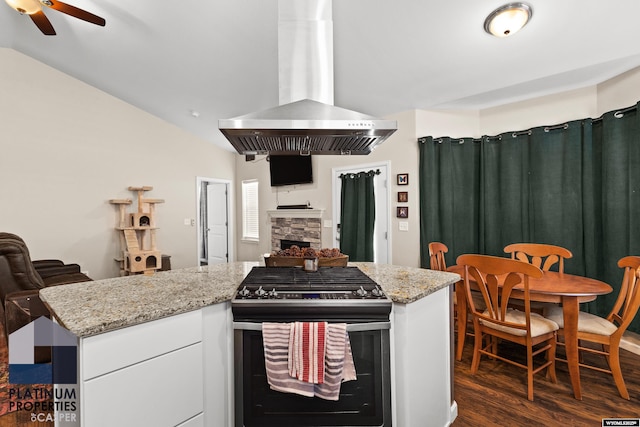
x,y
163,391
114,350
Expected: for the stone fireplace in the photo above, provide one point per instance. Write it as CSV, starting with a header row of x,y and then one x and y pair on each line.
x,y
304,225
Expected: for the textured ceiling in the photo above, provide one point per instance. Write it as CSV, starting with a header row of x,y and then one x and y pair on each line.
x,y
219,57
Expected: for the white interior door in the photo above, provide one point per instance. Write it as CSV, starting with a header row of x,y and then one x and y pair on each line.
x,y
382,248
217,223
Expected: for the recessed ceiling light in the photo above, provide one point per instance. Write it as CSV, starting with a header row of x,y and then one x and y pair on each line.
x,y
508,19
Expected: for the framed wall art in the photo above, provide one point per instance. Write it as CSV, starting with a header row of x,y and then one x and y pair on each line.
x,y
403,196
402,212
403,179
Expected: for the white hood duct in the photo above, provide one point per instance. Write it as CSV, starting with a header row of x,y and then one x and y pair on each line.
x,y
306,122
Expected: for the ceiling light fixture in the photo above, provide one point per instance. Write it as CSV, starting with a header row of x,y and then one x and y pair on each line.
x,y
28,7
508,19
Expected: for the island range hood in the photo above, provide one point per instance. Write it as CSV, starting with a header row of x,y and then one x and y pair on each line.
x,y
306,122
306,127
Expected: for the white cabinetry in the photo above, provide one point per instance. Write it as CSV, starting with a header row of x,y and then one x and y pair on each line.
x,y
218,365
422,362
145,375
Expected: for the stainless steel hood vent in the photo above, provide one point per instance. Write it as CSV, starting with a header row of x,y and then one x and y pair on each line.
x,y
306,127
306,122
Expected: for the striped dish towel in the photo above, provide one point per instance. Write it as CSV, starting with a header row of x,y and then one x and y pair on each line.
x,y
307,351
338,364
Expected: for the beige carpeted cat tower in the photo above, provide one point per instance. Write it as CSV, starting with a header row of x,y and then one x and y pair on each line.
x,y
137,232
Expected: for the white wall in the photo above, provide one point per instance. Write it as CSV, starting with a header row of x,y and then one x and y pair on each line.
x,y
67,148
619,92
548,110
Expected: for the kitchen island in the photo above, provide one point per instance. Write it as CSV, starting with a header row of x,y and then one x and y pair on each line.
x,y
157,350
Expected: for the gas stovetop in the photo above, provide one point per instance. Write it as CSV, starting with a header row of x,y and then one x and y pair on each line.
x,y
295,283
292,293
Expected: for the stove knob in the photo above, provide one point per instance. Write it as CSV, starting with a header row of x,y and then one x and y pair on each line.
x,y
377,291
261,292
244,292
361,292
273,293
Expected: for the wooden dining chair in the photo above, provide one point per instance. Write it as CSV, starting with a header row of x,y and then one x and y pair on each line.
x,y
607,332
437,262
541,255
495,277
436,256
544,257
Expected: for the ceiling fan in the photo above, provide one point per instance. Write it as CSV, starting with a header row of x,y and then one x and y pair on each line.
x,y
33,8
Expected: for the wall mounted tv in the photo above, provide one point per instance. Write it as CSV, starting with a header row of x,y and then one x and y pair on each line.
x,y
289,170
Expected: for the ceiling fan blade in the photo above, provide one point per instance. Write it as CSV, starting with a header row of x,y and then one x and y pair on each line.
x,y
74,11
43,23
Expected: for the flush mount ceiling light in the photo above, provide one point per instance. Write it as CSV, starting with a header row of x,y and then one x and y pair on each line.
x,y
508,19
28,7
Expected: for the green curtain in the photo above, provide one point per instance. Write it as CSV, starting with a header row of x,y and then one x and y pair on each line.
x,y
575,185
357,215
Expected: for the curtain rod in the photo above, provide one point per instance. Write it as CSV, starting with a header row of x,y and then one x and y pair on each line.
x,y
353,174
618,114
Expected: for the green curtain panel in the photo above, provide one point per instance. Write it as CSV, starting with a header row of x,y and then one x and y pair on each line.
x,y
575,185
357,215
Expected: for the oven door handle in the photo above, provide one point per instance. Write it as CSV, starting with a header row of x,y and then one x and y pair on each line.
x,y
351,327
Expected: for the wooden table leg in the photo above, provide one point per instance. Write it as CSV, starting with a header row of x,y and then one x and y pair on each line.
x,y
461,311
570,309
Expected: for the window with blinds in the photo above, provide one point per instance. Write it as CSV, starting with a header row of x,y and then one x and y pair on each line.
x,y
250,219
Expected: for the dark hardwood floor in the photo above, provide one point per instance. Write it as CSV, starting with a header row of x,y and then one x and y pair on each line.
x,y
497,394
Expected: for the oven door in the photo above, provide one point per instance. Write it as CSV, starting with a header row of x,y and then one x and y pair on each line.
x,y
364,402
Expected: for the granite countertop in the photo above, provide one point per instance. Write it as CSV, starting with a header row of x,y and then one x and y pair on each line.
x,y
91,308
406,284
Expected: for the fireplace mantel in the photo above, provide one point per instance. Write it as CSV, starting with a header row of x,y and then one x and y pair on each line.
x,y
295,213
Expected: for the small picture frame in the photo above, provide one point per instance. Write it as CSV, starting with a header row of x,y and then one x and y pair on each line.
x,y
403,196
403,179
402,212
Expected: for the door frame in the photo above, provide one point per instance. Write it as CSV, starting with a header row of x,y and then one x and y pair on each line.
x,y
335,173
230,215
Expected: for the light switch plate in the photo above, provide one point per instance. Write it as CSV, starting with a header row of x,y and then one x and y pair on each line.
x,y
403,226
328,223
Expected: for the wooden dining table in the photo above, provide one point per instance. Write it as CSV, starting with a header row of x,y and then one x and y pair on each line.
x,y
562,288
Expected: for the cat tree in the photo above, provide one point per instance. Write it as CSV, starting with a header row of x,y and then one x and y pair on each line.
x,y
137,233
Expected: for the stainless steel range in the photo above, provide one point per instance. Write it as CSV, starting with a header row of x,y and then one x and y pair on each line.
x,y
332,294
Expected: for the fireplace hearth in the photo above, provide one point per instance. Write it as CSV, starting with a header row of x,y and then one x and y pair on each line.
x,y
286,243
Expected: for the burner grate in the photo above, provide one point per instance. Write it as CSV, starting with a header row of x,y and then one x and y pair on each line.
x,y
278,294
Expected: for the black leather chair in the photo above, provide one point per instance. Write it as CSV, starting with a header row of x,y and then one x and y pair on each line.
x,y
56,272
21,281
